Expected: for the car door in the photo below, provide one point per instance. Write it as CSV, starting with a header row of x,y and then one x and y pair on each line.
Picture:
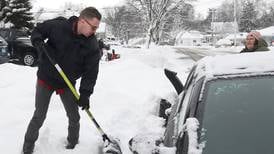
x,y
172,125
188,110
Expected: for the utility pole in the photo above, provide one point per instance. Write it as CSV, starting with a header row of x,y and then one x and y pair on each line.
x,y
235,23
212,24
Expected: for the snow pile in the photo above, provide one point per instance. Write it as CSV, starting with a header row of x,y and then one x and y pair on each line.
x,y
124,103
167,150
224,42
269,31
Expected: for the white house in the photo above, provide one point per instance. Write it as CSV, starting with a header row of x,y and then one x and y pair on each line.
x,y
189,38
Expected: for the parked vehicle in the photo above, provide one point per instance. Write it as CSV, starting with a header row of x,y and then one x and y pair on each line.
x,y
22,49
4,55
19,46
224,107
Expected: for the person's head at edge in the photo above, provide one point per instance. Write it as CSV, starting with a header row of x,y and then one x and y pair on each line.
x,y
252,39
89,21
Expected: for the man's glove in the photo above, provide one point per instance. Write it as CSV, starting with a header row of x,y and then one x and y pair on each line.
x,y
83,102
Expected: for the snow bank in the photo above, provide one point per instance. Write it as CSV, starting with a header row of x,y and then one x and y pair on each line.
x,y
124,103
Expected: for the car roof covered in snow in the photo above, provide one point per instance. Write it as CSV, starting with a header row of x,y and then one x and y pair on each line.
x,y
236,65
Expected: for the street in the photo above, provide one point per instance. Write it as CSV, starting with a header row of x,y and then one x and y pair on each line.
x,y
198,53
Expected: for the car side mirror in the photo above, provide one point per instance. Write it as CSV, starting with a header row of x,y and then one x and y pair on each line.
x,y
175,81
164,110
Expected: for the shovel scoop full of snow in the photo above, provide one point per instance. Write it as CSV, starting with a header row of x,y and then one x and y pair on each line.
x,y
145,143
111,146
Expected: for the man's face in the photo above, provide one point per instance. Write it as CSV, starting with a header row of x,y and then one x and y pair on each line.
x,y
89,26
250,41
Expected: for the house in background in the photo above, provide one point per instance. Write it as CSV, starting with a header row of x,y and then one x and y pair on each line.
x,y
189,38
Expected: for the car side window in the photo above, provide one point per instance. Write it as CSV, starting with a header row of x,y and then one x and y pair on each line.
x,y
190,102
190,77
187,85
195,97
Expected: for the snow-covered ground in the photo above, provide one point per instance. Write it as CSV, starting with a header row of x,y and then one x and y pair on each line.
x,y
124,102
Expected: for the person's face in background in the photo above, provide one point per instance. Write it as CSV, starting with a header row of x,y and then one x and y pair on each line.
x,y
88,27
250,42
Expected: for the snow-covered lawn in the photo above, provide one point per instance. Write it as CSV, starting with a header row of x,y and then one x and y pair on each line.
x,y
124,102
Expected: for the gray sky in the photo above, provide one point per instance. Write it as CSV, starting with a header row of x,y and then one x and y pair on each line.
x,y
55,4
201,6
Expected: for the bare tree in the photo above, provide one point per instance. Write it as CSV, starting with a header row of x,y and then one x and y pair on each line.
x,y
123,22
114,18
155,12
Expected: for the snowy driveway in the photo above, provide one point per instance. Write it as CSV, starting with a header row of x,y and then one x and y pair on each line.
x,y
124,103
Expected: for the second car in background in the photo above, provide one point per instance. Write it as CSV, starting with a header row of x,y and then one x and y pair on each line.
x,y
19,46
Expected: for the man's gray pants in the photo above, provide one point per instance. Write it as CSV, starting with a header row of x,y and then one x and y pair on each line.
x,y
42,99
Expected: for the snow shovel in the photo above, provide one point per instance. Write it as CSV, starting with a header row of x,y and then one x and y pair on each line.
x,y
111,146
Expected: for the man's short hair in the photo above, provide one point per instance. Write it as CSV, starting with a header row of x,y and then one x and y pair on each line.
x,y
90,12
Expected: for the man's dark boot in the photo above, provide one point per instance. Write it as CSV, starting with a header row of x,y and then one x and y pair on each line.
x,y
70,145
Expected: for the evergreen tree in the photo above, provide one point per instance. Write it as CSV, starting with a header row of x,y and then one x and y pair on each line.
x,y
266,20
3,10
20,15
225,13
248,18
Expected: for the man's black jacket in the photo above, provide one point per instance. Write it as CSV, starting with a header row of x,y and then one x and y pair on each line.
x,y
77,55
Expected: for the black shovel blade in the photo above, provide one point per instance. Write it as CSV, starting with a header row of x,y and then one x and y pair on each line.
x,y
112,146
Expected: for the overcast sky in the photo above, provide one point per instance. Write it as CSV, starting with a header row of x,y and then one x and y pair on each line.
x,y
201,6
55,4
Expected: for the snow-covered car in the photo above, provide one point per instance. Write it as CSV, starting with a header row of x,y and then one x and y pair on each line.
x,y
226,106
4,55
224,42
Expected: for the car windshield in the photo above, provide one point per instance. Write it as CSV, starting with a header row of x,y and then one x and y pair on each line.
x,y
239,116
